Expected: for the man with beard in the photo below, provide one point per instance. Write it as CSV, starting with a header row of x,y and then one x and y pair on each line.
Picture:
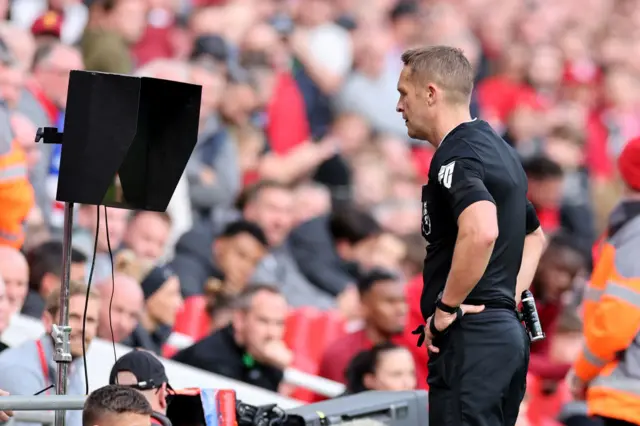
x,y
29,368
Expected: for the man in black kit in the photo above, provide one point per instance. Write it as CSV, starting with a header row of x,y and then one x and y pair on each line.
x,y
484,243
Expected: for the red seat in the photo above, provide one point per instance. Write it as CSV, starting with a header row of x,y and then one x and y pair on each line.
x,y
308,331
190,319
168,351
300,332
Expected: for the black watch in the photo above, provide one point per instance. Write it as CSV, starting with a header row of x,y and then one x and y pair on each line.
x,y
446,308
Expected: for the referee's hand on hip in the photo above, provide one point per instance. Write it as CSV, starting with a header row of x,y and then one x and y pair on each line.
x,y
443,320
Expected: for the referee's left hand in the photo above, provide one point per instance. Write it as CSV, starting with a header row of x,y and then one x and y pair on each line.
x,y
444,320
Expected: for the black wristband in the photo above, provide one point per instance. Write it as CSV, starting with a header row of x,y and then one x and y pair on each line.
x,y
446,308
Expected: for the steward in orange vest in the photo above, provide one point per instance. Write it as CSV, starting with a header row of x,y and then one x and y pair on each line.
x,y
609,365
16,193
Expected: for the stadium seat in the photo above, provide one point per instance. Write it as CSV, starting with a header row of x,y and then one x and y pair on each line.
x,y
168,351
300,332
191,317
326,328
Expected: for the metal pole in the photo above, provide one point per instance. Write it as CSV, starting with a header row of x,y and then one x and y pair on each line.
x,y
42,402
60,333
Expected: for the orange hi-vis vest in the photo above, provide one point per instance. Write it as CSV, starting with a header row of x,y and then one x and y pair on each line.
x,y
610,360
16,196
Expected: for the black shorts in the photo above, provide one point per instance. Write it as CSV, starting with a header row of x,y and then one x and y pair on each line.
x,y
479,377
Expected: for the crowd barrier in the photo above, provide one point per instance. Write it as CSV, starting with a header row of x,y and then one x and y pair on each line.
x,y
100,359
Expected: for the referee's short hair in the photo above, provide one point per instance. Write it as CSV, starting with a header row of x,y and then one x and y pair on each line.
x,y
113,400
445,66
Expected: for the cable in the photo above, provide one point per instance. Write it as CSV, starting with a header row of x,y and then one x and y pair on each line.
x,y
44,390
113,286
86,302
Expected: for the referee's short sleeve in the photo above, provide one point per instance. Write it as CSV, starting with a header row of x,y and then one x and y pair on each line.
x,y
532,218
462,181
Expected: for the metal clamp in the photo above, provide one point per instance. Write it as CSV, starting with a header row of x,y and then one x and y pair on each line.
x,y
62,344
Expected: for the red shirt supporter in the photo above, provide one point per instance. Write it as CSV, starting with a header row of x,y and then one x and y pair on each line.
x,y
337,357
287,120
384,311
156,40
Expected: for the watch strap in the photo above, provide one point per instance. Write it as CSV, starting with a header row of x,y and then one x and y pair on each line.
x,y
446,308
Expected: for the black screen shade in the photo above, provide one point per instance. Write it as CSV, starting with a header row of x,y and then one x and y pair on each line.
x,y
126,139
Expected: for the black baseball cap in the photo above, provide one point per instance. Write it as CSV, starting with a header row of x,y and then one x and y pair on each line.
x,y
211,45
147,368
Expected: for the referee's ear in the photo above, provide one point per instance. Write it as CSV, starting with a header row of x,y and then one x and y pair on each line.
x,y
480,222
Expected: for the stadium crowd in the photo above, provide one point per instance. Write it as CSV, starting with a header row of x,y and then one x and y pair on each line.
x,y
303,191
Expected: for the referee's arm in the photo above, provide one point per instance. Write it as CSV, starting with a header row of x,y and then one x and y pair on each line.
x,y
534,245
475,211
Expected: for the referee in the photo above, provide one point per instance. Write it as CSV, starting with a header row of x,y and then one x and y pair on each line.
x,y
484,243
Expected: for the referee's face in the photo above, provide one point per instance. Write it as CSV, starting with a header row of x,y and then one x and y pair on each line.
x,y
412,106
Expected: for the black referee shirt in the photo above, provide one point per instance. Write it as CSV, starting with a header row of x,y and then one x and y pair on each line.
x,y
473,164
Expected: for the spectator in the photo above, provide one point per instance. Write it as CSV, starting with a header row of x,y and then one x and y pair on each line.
x,y
108,240
147,234
270,205
113,27
121,305
142,371
116,406
29,368
45,274
251,348
161,288
553,286
384,367
213,170
47,28
25,13
384,311
311,200
324,51
14,271
5,313
43,101
20,42
232,257
545,190
370,90
331,250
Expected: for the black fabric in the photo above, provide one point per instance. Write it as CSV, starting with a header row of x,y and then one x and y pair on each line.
x,y
474,164
479,376
141,338
160,419
155,279
533,222
193,261
625,212
3,346
33,305
148,369
606,421
220,354
314,251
